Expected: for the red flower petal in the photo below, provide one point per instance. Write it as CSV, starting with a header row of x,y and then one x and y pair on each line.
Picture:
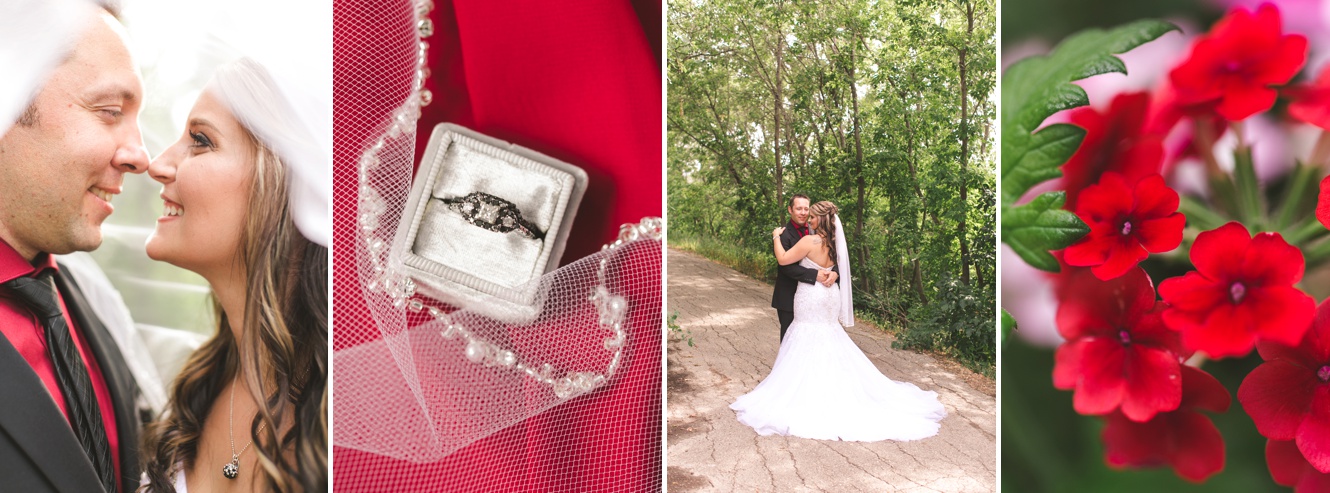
x,y
1277,395
1242,101
1220,249
1154,383
1227,331
1095,307
1200,390
1323,200
1128,443
1154,198
1164,234
1285,462
1093,250
1067,363
1191,293
1199,452
1284,62
1271,260
1311,104
1126,255
1314,434
1102,385
1186,440
1283,313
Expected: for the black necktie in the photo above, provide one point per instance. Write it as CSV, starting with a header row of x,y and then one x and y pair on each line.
x,y
85,416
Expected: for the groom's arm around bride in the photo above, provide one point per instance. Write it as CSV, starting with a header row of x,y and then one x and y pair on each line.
x,y
789,276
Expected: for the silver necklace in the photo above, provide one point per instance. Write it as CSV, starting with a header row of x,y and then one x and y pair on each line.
x,y
232,469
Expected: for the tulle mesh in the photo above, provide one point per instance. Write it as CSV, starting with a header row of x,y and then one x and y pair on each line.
x,y
411,410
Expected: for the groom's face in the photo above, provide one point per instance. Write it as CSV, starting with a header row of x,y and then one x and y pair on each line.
x,y
62,163
799,211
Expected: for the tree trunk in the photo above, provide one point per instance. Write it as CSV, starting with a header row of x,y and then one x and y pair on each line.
x,y
965,146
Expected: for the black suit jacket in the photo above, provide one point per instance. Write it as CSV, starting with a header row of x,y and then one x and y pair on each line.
x,y
788,277
38,449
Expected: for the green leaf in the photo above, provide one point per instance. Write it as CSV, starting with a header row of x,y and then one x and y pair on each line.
x,y
1035,88
1008,325
1044,153
1039,226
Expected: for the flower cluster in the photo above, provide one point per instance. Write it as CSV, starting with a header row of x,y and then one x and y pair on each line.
x,y
1133,357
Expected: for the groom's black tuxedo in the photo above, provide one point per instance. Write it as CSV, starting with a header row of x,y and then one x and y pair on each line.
x,y
38,449
788,278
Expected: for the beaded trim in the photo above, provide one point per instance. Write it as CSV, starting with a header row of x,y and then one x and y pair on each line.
x,y
401,289
612,308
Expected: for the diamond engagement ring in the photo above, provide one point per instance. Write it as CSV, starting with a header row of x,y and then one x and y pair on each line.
x,y
492,213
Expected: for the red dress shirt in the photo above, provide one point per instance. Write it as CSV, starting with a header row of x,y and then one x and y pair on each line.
x,y
21,328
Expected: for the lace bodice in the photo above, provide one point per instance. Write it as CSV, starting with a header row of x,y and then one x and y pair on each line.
x,y
814,302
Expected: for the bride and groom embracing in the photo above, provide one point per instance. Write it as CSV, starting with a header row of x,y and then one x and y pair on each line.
x,y
73,416
822,386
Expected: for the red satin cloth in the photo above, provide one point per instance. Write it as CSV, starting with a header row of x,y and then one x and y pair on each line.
x,y
579,81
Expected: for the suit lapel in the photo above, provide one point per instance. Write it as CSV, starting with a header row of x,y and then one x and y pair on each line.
x,y
36,424
115,372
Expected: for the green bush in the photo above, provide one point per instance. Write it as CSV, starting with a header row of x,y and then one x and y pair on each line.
x,y
958,322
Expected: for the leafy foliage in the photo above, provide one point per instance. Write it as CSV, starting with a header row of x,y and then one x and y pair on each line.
x,y
885,108
958,322
1034,89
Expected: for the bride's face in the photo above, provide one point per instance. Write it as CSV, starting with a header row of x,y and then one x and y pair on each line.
x,y
205,180
812,222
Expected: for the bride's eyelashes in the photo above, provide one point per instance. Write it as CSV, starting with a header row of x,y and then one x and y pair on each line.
x,y
201,142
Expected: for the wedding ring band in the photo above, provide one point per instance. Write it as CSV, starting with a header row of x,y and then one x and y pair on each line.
x,y
492,213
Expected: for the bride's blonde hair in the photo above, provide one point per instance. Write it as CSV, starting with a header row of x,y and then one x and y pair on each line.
x,y
824,211
284,333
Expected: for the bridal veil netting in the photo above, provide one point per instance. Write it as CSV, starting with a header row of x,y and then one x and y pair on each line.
x,y
428,398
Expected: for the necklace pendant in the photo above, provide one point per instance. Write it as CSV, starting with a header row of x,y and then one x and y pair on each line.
x,y
231,469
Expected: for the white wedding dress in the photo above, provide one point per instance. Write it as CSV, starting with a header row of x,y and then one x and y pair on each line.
x,y
822,386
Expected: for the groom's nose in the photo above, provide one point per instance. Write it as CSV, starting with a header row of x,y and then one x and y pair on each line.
x,y
130,155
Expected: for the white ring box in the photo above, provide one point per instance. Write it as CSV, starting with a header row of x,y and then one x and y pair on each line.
x,y
491,273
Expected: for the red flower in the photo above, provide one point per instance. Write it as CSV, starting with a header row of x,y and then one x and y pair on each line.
x,y
1242,290
1127,223
1118,352
1289,468
1288,396
1323,203
1114,141
1311,103
1233,67
1184,439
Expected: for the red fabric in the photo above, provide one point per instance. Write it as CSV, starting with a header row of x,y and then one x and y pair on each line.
x,y
20,327
579,81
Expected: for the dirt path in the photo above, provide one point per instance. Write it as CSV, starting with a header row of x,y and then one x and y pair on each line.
x,y
737,335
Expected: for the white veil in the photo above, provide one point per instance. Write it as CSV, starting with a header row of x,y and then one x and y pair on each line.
x,y
34,36
843,268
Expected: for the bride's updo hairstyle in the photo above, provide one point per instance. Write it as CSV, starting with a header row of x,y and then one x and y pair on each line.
x,y
284,330
824,211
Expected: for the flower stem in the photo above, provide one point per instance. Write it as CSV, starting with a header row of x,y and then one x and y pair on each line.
x,y
1321,153
1199,215
1244,179
1316,254
1306,231
1298,186
1204,141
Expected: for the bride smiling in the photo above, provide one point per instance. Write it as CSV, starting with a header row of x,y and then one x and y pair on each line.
x,y
248,410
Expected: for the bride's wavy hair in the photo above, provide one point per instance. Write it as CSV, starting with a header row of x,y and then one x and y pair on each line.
x,y
824,211
284,334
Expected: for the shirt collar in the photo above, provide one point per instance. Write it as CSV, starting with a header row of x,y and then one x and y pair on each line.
x,y
13,265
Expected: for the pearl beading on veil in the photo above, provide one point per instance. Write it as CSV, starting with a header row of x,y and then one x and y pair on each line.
x,y
401,289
